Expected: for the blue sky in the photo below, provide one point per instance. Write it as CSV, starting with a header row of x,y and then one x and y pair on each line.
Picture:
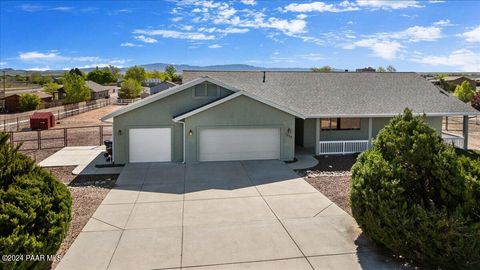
x,y
410,35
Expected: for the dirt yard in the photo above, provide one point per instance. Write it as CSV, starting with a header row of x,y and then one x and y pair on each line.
x,y
331,177
455,126
91,118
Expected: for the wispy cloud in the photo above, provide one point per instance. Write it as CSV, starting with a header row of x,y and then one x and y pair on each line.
x,y
321,7
381,48
62,8
30,7
129,44
445,22
145,39
53,57
388,4
34,55
249,2
463,59
174,34
215,46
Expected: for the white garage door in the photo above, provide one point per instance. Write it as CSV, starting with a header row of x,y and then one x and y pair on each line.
x,y
239,144
150,144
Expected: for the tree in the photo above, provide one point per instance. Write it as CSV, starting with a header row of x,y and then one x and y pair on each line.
x,y
321,69
101,76
170,72
476,101
75,88
36,78
381,69
413,194
51,87
29,102
157,75
35,209
130,89
115,71
441,76
464,92
136,73
391,68
76,71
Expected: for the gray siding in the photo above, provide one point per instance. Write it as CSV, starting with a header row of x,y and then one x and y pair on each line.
x,y
309,129
157,114
241,112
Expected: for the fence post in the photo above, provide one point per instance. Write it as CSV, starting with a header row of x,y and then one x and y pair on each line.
x,y
17,124
65,140
4,124
58,114
11,137
39,140
101,134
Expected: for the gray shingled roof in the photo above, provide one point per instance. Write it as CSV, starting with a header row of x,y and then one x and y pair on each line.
x,y
343,94
95,87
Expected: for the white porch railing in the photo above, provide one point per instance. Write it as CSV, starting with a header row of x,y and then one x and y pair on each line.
x,y
342,147
454,139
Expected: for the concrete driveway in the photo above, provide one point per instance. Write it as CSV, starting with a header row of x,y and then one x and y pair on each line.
x,y
219,215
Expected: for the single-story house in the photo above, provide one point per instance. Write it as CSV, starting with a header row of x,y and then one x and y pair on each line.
x,y
221,115
152,82
456,80
12,102
161,86
98,91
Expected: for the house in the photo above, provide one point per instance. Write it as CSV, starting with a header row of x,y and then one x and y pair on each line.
x,y
152,82
453,81
98,91
220,115
12,102
161,86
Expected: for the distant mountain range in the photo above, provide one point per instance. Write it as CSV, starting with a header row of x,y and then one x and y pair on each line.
x,y
161,66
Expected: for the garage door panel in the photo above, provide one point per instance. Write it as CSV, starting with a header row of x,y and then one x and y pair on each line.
x,y
239,144
150,144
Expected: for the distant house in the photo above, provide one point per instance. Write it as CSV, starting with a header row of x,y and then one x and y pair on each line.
x,y
12,102
98,91
367,69
152,82
453,81
160,87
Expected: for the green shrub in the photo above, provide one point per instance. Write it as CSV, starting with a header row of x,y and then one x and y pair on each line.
x,y
130,89
35,209
416,196
29,102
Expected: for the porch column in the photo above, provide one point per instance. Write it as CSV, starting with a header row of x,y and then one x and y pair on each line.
x,y
465,132
317,136
369,132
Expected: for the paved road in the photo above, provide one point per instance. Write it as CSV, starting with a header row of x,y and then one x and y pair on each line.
x,y
219,215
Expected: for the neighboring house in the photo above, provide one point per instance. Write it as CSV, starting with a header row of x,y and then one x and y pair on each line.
x,y
152,82
160,87
215,116
98,91
367,69
12,102
453,81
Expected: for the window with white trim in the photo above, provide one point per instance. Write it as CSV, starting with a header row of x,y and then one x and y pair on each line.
x,y
206,90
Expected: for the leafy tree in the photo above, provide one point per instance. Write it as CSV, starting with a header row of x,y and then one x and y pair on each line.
x,y
464,92
75,88
170,72
321,69
476,101
29,102
157,75
36,78
51,87
115,71
441,76
35,209
136,73
413,194
101,76
77,72
391,68
130,89
381,69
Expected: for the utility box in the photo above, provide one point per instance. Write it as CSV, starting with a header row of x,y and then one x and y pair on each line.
x,y
42,120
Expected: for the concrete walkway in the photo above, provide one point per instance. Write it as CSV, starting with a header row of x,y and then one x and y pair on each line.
x,y
219,215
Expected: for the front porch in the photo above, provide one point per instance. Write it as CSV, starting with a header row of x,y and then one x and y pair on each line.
x,y
358,137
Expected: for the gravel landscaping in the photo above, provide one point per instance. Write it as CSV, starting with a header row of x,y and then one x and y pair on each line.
x,y
87,192
331,176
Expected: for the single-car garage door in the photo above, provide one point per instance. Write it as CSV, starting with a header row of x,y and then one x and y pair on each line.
x,y
150,144
239,144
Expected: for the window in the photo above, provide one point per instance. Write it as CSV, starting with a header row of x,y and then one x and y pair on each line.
x,y
340,123
206,90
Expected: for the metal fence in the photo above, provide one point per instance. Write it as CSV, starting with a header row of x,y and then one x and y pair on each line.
x,y
61,137
20,122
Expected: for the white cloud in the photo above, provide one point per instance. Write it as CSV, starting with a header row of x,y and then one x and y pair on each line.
x,y
321,7
30,7
34,55
65,9
463,59
145,39
177,19
445,22
419,33
382,48
436,1
233,30
215,46
3,64
187,27
388,4
249,2
39,68
473,35
174,34
129,44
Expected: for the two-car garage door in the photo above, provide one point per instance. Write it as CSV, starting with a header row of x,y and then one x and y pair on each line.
x,y
239,144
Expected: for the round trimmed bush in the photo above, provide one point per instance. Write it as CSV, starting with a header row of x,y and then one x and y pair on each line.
x,y
413,194
35,209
